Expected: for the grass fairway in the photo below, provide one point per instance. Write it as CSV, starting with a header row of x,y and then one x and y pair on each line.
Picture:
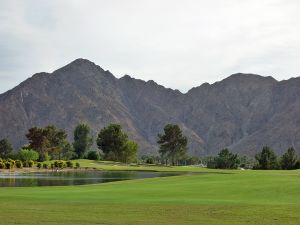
x,y
236,197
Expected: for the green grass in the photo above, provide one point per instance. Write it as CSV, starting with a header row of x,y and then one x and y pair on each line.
x,y
235,197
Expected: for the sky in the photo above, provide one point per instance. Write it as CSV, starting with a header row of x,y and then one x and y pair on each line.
x,y
177,43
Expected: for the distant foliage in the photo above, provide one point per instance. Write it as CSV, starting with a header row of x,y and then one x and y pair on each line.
x,y
82,139
288,160
59,164
93,155
247,162
224,160
129,152
172,143
115,144
47,141
5,149
2,165
69,164
267,159
151,159
30,163
27,155
39,165
19,164
68,152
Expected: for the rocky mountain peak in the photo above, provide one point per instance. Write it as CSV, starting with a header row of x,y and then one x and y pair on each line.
x,y
242,112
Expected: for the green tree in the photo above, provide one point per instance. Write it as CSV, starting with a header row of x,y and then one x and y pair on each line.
x,y
267,159
93,155
111,141
129,152
173,144
5,149
28,154
48,140
226,160
37,138
115,144
56,141
68,152
82,139
288,160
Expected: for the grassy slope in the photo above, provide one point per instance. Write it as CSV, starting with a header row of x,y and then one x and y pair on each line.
x,y
240,197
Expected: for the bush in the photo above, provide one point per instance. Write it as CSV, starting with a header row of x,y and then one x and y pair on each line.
x,y
13,162
45,165
77,165
52,165
93,155
39,165
19,164
8,165
69,164
2,165
61,164
25,164
28,154
30,163
56,164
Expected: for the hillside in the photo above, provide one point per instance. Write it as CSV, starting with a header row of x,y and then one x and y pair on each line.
x,y
242,112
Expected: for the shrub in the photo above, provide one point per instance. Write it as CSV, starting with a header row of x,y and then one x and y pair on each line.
x,y
28,154
61,164
69,164
93,155
39,165
52,165
56,164
13,162
8,165
45,165
25,164
30,163
2,165
77,165
19,164
45,157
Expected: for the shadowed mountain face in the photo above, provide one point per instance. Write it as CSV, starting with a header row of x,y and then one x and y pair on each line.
x,y
242,112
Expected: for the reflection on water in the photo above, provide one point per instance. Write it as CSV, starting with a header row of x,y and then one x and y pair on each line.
x,y
65,178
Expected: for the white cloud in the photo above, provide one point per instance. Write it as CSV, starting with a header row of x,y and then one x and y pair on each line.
x,y
179,44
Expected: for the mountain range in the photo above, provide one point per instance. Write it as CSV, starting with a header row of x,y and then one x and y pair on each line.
x,y
243,112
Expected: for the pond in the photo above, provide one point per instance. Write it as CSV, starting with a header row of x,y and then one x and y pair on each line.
x,y
66,178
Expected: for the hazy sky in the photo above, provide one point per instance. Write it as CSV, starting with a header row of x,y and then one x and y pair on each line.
x,y
179,44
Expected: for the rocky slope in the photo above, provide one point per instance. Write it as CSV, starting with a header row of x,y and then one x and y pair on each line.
x,y
242,112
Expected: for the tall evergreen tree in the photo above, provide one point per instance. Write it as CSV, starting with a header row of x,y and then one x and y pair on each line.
x,y
288,160
173,144
82,139
227,160
267,159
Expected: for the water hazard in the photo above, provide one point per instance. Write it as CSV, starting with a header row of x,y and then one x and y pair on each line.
x,y
66,178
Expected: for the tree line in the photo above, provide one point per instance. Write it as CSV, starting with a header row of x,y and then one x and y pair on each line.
x,y
50,142
113,144
266,159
